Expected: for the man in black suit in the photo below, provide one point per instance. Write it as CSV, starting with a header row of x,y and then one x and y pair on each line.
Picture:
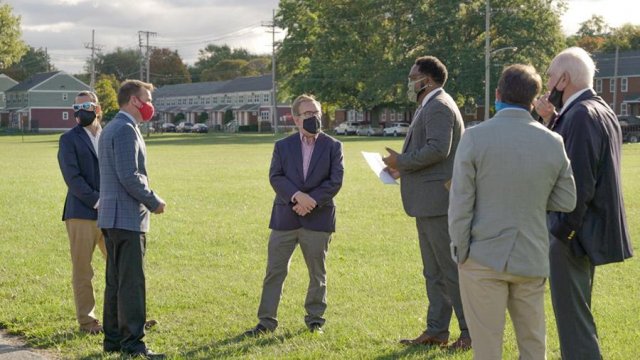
x,y
78,160
595,233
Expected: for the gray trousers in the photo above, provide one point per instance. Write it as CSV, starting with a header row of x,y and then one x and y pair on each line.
x,y
571,282
441,276
314,246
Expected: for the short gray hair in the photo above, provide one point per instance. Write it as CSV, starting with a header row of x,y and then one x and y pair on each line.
x,y
578,64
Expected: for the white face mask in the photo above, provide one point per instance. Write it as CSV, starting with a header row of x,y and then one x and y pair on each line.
x,y
412,94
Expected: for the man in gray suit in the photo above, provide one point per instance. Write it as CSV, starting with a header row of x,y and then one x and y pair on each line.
x,y
123,214
425,167
508,172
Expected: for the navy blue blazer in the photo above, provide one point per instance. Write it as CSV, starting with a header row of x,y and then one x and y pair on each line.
x,y
324,180
593,141
79,166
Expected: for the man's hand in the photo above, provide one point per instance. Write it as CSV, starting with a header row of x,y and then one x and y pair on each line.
x,y
393,172
298,209
305,202
160,208
544,108
392,160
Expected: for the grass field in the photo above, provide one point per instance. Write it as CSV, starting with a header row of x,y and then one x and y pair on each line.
x,y
207,254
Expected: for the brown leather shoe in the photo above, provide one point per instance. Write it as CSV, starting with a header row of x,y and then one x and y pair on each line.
x,y
93,328
150,323
462,344
425,339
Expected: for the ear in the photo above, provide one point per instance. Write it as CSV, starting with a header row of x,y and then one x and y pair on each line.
x,y
498,95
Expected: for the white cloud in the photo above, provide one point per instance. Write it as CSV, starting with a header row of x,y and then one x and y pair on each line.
x,y
54,28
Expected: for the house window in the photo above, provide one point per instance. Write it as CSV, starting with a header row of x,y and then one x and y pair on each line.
x,y
599,86
241,99
256,98
65,115
215,100
65,96
383,117
623,109
613,107
190,101
266,98
612,85
264,115
400,116
393,116
624,84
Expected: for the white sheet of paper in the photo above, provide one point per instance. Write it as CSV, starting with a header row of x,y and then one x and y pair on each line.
x,y
375,163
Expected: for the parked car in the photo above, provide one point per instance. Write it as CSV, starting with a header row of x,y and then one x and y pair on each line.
x,y
346,128
630,126
168,127
396,129
200,128
369,130
184,127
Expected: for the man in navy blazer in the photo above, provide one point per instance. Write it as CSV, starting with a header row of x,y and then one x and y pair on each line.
x,y
126,202
306,173
78,160
596,232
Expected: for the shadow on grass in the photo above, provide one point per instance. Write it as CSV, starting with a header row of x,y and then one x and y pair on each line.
x,y
238,345
426,352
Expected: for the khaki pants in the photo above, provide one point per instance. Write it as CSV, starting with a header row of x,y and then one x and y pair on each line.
x,y
84,235
486,294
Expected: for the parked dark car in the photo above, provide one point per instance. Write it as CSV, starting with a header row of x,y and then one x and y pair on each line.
x,y
184,127
200,128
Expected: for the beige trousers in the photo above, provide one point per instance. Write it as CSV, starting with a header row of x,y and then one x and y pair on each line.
x,y
84,235
486,294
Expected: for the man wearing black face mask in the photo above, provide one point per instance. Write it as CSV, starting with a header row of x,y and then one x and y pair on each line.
x,y
306,173
596,232
78,159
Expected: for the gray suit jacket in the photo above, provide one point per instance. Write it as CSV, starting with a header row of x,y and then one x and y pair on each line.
x,y
125,196
426,161
508,172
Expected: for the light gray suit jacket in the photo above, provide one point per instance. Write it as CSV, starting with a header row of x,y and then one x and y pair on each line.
x,y
125,196
426,161
508,172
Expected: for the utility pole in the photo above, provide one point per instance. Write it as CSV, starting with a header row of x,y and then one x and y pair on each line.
x,y
93,47
615,81
140,46
274,94
147,56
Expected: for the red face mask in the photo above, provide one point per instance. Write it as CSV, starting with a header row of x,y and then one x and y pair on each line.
x,y
146,110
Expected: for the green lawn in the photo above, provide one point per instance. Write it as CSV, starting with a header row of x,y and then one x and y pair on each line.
x,y
207,254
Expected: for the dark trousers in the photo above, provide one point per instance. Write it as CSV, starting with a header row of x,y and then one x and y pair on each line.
x,y
571,282
124,295
441,277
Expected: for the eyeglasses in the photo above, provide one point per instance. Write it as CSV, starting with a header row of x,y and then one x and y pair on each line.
x,y
84,106
308,114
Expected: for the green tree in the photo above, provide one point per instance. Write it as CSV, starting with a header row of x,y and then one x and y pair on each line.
x,y
591,35
11,46
221,62
122,63
626,37
107,97
225,70
203,117
34,61
167,68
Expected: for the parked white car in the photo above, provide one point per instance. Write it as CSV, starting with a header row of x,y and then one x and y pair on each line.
x,y
346,128
396,129
369,130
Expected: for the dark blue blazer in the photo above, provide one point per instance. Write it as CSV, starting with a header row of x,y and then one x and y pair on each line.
x,y
593,141
324,180
79,165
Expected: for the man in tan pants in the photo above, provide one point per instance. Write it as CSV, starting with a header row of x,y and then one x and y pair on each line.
x,y
508,172
78,159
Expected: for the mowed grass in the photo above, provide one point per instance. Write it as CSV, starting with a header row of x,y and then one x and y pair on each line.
x,y
206,259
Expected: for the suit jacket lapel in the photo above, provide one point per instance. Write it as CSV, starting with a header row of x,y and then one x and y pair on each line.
x,y
83,135
585,95
296,151
318,149
415,117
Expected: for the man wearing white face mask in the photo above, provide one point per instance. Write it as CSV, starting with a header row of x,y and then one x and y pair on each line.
x,y
425,167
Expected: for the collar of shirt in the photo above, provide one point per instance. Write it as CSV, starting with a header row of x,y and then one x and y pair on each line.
x,y
91,136
130,117
430,95
571,99
307,140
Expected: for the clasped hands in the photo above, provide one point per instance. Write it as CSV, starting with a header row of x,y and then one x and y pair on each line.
x,y
304,204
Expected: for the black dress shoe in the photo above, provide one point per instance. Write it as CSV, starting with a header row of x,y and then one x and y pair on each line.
x,y
316,328
257,331
148,354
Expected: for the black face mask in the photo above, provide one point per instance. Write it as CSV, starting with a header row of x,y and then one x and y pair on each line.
x,y
85,117
311,124
555,97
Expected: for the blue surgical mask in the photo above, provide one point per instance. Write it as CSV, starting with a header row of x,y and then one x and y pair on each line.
x,y
503,105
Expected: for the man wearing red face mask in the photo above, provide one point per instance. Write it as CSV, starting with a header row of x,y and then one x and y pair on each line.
x,y
126,201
